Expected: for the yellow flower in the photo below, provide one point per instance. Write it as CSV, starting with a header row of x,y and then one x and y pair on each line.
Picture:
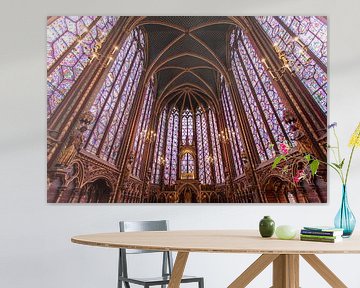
x,y
355,138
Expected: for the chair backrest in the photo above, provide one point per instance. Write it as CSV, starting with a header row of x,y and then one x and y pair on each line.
x,y
137,226
133,226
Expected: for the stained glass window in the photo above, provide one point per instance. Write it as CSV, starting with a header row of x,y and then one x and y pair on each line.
x,y
159,157
172,141
260,99
311,64
187,166
232,132
203,151
312,31
187,127
216,150
62,76
112,104
64,32
143,132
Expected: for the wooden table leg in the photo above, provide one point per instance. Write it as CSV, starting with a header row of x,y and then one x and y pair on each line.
x,y
253,270
286,271
178,269
324,271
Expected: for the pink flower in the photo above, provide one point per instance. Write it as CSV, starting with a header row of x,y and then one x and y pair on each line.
x,y
284,148
300,175
296,179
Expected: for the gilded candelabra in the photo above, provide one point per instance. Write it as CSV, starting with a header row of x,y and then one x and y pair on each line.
x,y
226,135
285,56
162,160
94,53
148,135
210,159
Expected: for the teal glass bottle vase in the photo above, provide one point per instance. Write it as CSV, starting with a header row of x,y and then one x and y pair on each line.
x,y
345,219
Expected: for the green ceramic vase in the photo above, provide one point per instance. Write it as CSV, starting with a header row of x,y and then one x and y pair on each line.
x,y
267,227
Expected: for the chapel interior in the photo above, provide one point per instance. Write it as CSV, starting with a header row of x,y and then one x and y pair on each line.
x,y
185,109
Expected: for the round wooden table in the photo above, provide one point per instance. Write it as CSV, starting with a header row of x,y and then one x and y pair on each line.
x,y
284,254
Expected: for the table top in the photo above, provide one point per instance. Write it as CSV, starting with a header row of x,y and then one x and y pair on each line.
x,y
217,241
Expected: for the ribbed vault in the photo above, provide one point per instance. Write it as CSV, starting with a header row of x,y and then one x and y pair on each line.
x,y
187,54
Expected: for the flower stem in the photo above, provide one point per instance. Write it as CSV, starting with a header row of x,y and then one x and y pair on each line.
x,y
339,155
351,156
334,154
337,144
348,167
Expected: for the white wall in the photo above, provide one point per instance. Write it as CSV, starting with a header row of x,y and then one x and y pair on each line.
x,y
35,248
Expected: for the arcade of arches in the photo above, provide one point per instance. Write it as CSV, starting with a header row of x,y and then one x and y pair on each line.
x,y
185,109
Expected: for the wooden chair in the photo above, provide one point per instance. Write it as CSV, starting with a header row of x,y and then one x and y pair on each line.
x,y
167,263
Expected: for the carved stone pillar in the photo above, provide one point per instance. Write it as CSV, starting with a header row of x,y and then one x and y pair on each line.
x,y
149,149
76,195
56,180
250,182
300,196
321,188
75,142
84,197
125,185
129,133
312,195
246,133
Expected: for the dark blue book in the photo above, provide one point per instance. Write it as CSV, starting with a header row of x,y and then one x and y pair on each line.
x,y
322,231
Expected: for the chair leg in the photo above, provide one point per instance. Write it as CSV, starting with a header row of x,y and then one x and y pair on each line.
x,y
201,283
126,284
120,272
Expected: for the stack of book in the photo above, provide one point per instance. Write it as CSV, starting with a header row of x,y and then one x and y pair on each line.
x,y
321,234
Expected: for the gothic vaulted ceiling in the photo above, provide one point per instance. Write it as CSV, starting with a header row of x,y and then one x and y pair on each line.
x,y
187,52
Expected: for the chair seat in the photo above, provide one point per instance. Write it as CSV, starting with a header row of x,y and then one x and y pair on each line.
x,y
158,280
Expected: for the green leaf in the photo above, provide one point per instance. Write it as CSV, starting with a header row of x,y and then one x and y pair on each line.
x,y
336,165
314,165
342,163
307,157
277,161
339,166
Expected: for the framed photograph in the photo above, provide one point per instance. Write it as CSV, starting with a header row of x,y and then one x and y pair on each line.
x,y
187,109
